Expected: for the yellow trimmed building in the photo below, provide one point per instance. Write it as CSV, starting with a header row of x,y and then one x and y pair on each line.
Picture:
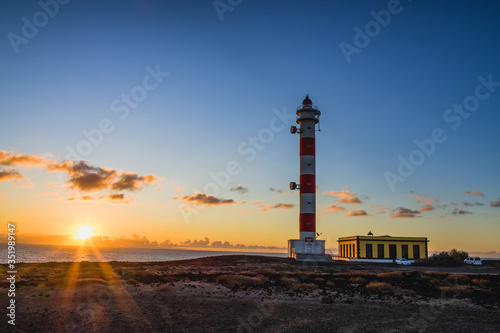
x,y
382,247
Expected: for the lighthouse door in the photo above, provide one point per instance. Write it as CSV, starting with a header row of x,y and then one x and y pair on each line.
x,y
309,247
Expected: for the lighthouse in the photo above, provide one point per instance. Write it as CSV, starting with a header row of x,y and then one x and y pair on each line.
x,y
307,247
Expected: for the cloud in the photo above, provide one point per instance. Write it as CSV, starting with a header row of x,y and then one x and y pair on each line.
x,y
458,211
382,209
87,198
179,189
240,189
204,199
283,206
427,201
470,204
8,174
87,178
272,189
357,212
344,197
8,158
82,176
474,192
495,204
405,213
426,208
336,208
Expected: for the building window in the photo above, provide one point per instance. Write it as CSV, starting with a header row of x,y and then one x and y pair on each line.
x,y
416,251
404,251
380,251
369,251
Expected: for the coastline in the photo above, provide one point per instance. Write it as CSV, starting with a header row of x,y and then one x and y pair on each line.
x,y
252,293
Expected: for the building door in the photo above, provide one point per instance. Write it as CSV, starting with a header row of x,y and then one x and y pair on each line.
x,y
393,254
416,251
404,251
380,250
369,251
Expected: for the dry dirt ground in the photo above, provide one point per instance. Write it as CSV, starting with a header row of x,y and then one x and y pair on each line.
x,y
252,294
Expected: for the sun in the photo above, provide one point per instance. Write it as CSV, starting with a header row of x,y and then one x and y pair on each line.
x,y
83,233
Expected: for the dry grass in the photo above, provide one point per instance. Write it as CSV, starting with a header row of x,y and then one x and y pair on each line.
x,y
455,290
480,282
303,286
238,280
165,287
265,271
378,287
83,282
289,280
458,278
390,275
357,280
331,284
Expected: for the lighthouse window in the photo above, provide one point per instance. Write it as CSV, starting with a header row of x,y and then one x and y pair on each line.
x,y
308,222
308,183
308,146
309,202
309,127
308,163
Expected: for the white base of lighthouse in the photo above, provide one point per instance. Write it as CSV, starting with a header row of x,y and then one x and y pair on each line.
x,y
301,250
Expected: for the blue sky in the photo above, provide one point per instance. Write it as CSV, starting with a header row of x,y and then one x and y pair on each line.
x,y
225,79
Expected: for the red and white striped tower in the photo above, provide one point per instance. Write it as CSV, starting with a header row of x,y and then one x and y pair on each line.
x,y
307,118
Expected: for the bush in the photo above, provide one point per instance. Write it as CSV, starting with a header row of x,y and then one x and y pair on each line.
x,y
378,286
357,280
238,280
458,278
446,259
390,275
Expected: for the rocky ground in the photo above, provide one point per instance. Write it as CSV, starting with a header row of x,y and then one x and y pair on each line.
x,y
252,294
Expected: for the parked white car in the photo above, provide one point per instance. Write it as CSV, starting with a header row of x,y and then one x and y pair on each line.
x,y
403,261
473,261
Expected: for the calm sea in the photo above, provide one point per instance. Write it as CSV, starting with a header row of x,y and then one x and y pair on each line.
x,y
48,253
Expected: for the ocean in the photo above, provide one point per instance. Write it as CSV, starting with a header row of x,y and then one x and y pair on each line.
x,y
30,253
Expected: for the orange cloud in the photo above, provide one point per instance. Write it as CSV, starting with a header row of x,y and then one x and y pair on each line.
x,y
344,197
7,158
240,189
283,206
204,199
115,198
84,177
474,192
10,174
358,212
405,213
495,204
427,201
336,208
272,189
179,189
426,208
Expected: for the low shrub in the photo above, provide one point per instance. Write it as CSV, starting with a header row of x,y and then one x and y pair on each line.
x,y
480,282
458,278
238,280
357,280
390,275
378,287
446,259
83,282
165,287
